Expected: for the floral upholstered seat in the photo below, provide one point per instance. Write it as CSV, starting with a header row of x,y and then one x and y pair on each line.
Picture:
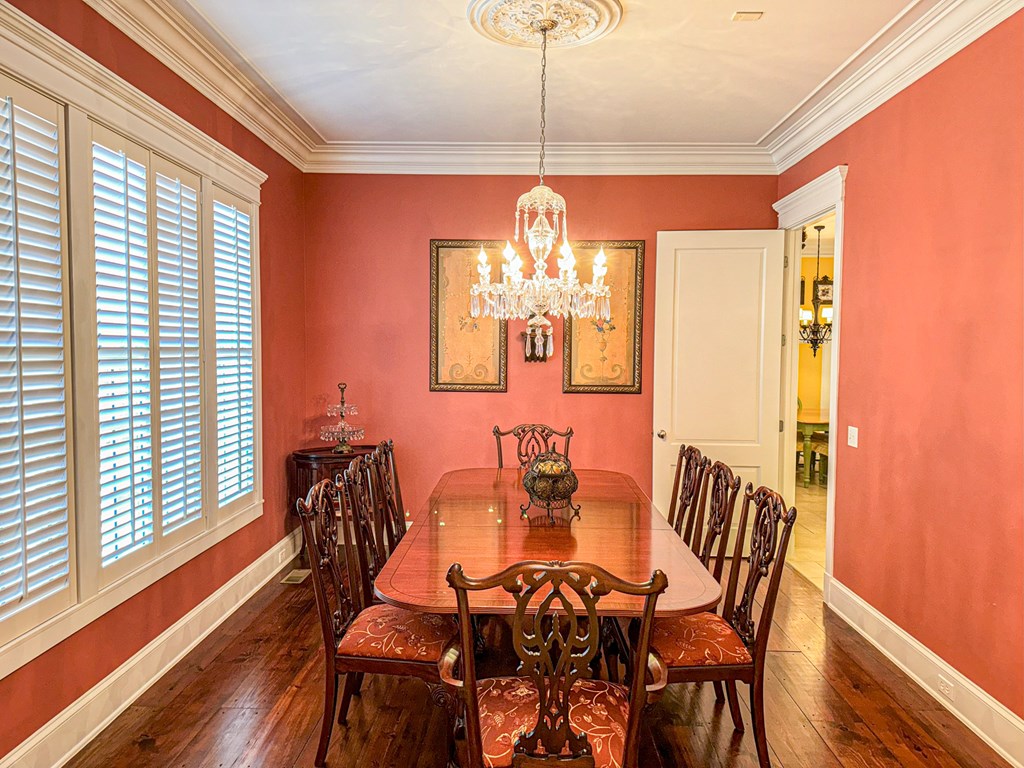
x,y
703,639
508,708
389,632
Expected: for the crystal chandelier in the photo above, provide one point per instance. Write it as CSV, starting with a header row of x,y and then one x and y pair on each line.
x,y
516,297
811,331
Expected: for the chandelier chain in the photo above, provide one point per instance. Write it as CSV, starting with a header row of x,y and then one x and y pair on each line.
x,y
543,96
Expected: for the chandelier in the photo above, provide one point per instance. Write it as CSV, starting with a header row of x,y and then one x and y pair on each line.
x,y
811,331
542,214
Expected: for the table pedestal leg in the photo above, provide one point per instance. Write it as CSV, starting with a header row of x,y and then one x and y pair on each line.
x,y
807,459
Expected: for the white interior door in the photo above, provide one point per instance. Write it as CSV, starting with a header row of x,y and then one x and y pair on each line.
x,y
718,352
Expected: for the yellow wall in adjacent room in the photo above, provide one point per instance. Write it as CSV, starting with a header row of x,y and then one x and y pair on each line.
x,y
809,381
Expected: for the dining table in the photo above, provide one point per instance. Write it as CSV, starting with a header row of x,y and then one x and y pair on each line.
x,y
809,421
474,517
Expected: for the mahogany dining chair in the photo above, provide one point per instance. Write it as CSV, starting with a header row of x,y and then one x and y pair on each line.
x,y
531,440
554,713
732,647
360,637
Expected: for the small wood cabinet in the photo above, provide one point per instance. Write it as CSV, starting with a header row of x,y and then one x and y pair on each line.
x,y
308,466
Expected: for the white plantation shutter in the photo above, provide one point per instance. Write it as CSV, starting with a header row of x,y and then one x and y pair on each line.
x,y
232,264
35,525
121,241
177,247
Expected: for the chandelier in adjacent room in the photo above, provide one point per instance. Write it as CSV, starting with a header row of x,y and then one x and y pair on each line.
x,y
812,331
542,219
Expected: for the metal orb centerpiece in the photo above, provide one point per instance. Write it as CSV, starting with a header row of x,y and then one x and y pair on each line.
x,y
550,483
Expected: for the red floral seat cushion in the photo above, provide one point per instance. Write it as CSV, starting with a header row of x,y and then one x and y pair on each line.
x,y
389,632
508,708
703,639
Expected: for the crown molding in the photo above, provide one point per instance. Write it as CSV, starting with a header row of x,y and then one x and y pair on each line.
x,y
34,54
451,158
892,61
924,35
176,42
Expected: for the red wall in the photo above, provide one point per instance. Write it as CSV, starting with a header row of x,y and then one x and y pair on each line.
x,y
368,307
45,686
929,512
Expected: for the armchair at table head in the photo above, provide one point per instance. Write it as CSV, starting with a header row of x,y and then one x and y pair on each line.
x,y
554,712
532,440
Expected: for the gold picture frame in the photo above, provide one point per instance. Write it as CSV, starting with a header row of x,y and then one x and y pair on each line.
x,y
606,358
467,354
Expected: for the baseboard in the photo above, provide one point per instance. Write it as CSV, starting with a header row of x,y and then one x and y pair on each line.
x,y
61,738
1000,728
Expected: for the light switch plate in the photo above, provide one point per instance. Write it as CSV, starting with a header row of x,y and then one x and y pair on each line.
x,y
852,436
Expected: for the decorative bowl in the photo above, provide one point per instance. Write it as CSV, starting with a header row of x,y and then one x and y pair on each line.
x,y
550,483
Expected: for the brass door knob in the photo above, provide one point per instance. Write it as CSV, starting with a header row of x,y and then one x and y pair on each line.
x,y
662,434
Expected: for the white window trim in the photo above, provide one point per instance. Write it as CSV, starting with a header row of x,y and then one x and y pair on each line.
x,y
34,55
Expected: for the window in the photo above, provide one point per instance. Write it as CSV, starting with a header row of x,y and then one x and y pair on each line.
x,y
149,336
129,380
36,578
232,235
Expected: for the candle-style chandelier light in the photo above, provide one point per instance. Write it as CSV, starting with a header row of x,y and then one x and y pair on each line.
x,y
812,331
516,297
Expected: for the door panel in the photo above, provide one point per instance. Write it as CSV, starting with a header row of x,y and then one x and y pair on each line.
x,y
717,355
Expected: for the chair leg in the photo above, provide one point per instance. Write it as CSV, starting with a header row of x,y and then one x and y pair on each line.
x,y
359,685
330,702
351,684
757,714
734,705
719,691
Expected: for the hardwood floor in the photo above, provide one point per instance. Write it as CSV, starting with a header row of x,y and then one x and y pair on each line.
x,y
251,695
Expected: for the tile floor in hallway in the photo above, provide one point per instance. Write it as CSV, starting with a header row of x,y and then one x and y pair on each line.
x,y
807,554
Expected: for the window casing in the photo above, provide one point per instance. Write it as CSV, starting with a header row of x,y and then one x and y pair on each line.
x,y
129,340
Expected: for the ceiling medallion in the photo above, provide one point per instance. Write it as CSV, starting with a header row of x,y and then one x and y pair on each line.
x,y
513,21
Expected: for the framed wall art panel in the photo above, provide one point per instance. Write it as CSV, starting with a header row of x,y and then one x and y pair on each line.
x,y
467,354
604,356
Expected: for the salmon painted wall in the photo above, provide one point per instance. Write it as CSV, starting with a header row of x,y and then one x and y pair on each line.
x,y
368,300
929,523
45,686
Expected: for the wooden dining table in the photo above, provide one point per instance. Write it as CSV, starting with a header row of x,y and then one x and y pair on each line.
x,y
473,517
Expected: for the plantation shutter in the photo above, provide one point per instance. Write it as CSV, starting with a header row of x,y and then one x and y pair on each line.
x,y
177,245
35,525
233,311
120,207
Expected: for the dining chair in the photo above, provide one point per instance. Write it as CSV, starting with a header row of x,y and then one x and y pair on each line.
x,y
554,713
732,647
360,638
690,468
532,440
720,488
386,494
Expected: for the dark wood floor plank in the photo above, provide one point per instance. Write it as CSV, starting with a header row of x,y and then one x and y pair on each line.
x,y
251,696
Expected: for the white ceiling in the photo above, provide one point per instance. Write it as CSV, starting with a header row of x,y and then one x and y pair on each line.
x,y
415,71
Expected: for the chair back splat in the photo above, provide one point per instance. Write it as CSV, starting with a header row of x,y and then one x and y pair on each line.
x,y
690,468
719,492
556,635
318,514
386,495
532,440
770,529
367,547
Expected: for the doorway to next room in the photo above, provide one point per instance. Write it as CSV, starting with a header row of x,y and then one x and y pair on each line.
x,y
816,248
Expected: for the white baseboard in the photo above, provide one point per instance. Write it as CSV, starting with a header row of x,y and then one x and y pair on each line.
x,y
1000,728
61,738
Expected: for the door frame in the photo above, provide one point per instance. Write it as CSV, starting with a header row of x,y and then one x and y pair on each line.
x,y
810,202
